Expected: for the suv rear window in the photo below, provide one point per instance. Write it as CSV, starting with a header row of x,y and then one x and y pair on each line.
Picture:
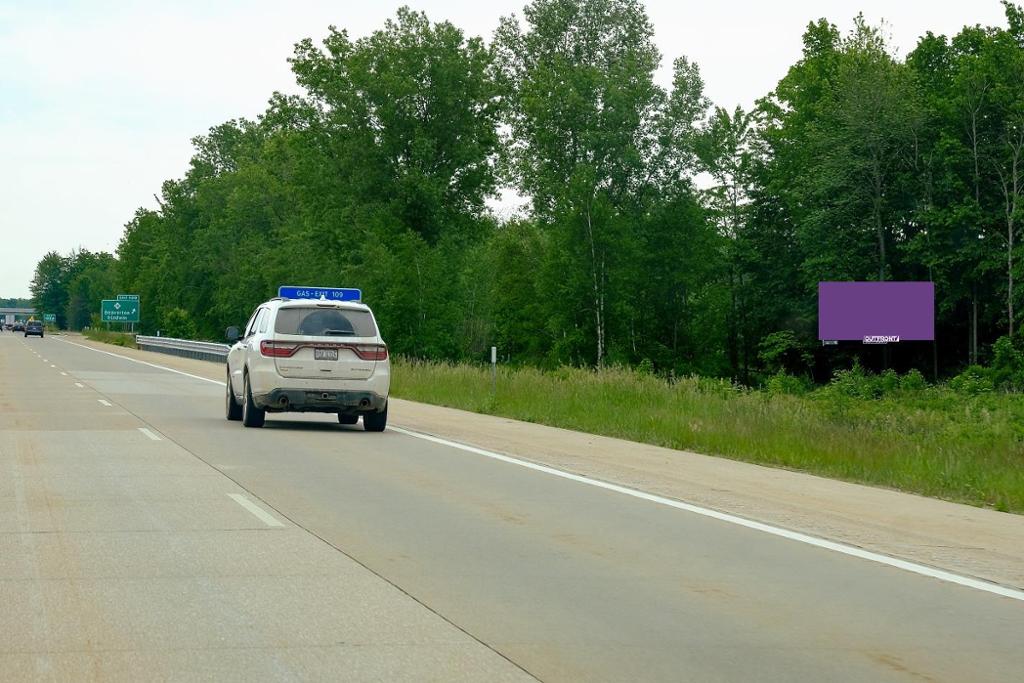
x,y
324,322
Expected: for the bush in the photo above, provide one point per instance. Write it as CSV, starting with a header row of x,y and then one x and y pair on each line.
x,y
855,382
1007,369
913,381
781,384
781,351
177,323
888,382
972,381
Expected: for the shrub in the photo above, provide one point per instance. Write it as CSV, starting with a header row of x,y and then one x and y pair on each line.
x,y
855,382
177,323
782,384
1007,369
888,382
781,351
913,381
972,381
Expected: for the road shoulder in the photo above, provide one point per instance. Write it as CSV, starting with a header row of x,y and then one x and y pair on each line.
x,y
976,542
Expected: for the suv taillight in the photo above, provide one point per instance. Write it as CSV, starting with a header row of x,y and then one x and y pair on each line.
x,y
371,351
278,349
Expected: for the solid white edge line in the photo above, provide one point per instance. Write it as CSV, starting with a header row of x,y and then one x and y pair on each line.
x,y
142,362
807,539
256,510
105,402
852,551
150,434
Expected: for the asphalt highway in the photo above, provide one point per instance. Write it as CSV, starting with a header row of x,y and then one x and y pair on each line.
x,y
140,531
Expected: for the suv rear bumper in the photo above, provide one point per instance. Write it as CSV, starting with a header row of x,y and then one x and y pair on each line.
x,y
320,401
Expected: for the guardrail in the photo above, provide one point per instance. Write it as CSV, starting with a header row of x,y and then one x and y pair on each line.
x,y
187,348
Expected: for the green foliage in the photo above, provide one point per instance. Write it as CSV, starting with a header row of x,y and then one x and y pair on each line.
x,y
972,381
913,382
780,351
107,337
1007,367
855,383
858,165
781,384
934,442
178,324
72,286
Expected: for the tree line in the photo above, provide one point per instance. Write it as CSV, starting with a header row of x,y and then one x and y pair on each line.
x,y
661,230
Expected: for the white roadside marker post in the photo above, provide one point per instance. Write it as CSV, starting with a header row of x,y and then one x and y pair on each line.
x,y
494,371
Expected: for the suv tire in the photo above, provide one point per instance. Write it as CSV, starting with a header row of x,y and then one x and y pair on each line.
x,y
376,422
251,415
233,408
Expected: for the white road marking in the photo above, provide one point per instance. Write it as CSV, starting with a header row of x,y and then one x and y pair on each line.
x,y
53,366
142,362
853,551
64,373
256,510
106,403
150,434
79,385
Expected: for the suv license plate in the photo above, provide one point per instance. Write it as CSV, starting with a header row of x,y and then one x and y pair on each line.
x,y
325,354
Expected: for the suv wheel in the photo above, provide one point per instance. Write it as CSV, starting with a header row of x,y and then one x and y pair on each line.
x,y
233,408
376,422
251,415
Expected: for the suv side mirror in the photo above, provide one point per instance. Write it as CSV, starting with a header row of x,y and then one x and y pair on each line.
x,y
232,334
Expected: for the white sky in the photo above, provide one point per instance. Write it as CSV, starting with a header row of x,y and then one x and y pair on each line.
x,y
98,99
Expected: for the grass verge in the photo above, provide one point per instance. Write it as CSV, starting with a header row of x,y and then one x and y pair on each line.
x,y
126,339
932,441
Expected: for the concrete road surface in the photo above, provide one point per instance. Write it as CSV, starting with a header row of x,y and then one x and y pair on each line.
x,y
142,536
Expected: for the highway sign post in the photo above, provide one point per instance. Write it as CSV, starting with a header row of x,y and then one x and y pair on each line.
x,y
114,311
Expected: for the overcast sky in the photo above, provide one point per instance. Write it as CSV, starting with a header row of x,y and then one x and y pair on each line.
x,y
98,99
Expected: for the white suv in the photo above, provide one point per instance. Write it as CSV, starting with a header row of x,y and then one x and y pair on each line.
x,y
309,356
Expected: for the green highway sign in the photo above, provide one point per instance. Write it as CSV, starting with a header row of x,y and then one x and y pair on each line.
x,y
114,311
49,317
127,297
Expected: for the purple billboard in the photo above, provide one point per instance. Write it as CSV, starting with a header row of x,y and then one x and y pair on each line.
x,y
876,312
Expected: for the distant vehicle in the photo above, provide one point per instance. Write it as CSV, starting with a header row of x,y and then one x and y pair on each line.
x,y
34,327
18,326
306,355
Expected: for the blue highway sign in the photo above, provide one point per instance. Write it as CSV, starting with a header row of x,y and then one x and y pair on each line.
x,y
328,293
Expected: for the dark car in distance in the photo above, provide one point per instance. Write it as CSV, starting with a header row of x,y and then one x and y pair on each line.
x,y
33,327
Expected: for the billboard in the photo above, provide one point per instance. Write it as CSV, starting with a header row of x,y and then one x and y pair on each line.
x,y
876,312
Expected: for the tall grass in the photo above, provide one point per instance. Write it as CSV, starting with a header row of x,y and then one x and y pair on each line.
x,y
928,440
106,336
